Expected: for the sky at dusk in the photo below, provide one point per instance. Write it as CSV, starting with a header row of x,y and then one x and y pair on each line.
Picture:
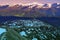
x,y
11,2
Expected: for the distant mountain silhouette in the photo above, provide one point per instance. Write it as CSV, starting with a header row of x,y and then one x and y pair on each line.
x,y
58,6
55,5
3,7
30,10
46,5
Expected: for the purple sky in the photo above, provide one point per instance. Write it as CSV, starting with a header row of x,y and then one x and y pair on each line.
x,y
11,2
